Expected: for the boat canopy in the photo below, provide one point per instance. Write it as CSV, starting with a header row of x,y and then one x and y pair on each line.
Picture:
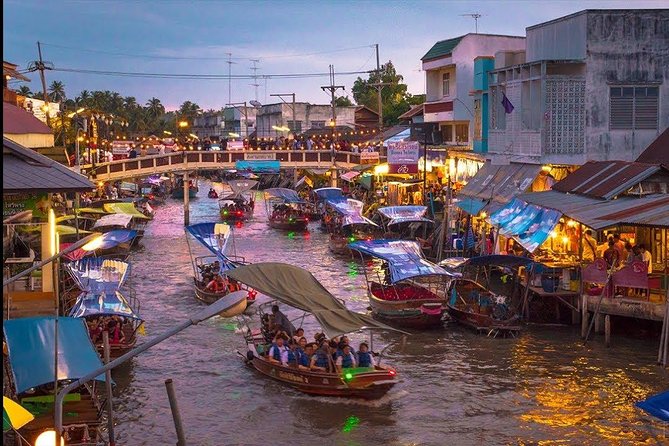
x,y
31,346
351,211
491,260
60,229
529,224
214,237
89,274
92,211
404,214
405,258
116,237
102,304
298,288
122,220
656,405
283,194
329,194
125,208
240,186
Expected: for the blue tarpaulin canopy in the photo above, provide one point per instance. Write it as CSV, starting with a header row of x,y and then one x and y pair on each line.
x,y
97,274
31,346
528,224
214,237
656,405
116,237
472,206
329,194
351,210
283,194
404,214
102,304
404,258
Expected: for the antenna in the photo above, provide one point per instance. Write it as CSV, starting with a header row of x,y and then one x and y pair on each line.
x,y
229,62
255,69
476,16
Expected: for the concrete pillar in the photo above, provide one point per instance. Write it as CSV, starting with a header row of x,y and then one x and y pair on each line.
x,y
186,200
598,325
334,174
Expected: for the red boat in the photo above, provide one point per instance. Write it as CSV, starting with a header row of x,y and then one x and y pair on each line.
x,y
407,305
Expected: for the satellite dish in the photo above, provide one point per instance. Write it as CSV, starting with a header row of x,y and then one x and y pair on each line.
x,y
256,104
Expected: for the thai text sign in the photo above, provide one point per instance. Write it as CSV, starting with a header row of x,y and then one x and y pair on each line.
x,y
403,157
260,156
369,157
13,204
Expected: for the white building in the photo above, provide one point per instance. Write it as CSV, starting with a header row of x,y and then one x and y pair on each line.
x,y
449,76
219,124
306,116
593,86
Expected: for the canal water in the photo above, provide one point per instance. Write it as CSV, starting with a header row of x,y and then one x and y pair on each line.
x,y
457,387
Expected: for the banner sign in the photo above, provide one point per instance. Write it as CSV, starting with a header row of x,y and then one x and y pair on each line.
x,y
13,204
260,156
271,166
235,145
121,147
403,157
369,157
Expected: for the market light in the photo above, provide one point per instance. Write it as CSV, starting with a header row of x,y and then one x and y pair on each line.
x,y
183,124
381,169
546,168
194,136
236,135
553,234
348,376
94,244
166,132
49,438
71,115
484,214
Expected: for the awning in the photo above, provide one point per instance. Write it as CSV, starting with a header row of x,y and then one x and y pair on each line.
x,y
528,224
116,237
656,405
404,258
404,214
31,346
214,237
402,135
102,304
98,275
472,206
499,184
92,211
125,208
495,260
349,176
351,210
298,288
122,220
283,194
329,193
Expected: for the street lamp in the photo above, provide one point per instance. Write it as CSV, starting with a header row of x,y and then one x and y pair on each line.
x,y
183,124
221,305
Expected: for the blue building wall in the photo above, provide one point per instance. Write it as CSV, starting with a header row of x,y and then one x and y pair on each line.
x,y
482,65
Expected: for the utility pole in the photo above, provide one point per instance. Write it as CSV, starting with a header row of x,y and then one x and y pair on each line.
x,y
280,96
41,66
379,86
230,62
332,88
255,69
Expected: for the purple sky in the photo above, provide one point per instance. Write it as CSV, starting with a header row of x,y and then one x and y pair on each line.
x,y
193,37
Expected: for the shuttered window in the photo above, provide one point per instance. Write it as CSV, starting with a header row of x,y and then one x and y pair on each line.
x,y
634,108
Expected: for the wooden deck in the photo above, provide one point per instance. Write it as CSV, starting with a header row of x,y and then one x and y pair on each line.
x,y
639,308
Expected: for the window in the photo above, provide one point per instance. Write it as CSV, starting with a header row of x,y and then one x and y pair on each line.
x,y
317,124
445,84
295,126
461,133
447,133
633,108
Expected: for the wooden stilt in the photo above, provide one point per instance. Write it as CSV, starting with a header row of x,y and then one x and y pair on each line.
x,y
584,315
186,200
598,325
607,330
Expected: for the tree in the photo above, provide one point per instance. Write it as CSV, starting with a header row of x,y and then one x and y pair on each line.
x,y
24,90
395,99
155,108
343,101
189,111
57,91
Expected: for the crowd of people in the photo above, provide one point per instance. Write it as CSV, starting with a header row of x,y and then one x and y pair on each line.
x,y
284,212
113,324
290,348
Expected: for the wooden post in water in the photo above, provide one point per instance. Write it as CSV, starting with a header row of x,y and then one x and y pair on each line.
x,y
607,330
598,325
584,315
186,200
176,416
108,387
664,336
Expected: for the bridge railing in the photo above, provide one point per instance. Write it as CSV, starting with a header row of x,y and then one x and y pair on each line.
x,y
192,160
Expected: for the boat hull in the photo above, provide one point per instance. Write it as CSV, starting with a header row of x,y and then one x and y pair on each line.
x,y
179,192
418,313
482,322
233,216
369,385
298,224
209,298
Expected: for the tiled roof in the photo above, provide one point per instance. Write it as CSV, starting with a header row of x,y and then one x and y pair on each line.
x,y
413,111
658,151
442,48
24,170
16,121
605,179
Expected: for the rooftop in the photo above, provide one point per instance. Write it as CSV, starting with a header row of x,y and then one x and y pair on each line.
x,y
597,11
658,151
16,121
444,48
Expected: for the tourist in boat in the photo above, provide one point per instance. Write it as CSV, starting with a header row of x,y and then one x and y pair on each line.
x,y
116,335
278,353
345,341
217,285
365,357
320,361
299,334
94,330
346,360
304,356
281,321
212,193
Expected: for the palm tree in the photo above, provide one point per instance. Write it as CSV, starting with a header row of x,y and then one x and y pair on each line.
x,y
24,90
83,97
155,108
57,91
130,102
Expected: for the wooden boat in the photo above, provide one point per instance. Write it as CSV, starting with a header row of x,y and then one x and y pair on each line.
x,y
111,222
178,190
411,292
472,305
238,205
296,287
286,210
344,221
404,222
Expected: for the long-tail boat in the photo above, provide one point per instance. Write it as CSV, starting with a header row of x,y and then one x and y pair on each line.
x,y
299,289
404,222
407,290
345,223
239,204
285,209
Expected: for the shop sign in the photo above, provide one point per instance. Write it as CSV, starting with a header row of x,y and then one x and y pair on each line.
x,y
403,157
369,157
14,204
260,156
235,145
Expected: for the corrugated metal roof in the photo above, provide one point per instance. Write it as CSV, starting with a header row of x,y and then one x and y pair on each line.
x,y
599,214
442,48
605,179
17,121
500,183
24,170
658,151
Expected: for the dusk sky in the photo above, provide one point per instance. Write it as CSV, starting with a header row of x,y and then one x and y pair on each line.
x,y
193,37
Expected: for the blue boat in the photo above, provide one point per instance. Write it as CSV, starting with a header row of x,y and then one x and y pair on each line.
x,y
344,221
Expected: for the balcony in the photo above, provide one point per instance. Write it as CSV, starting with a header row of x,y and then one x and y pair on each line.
x,y
438,111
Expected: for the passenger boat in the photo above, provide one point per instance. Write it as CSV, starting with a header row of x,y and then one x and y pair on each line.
x,y
286,210
474,304
404,222
111,222
319,197
214,237
407,291
140,215
31,372
297,288
238,205
178,190
100,300
345,223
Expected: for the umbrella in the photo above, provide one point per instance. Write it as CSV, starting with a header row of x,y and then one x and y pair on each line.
x,y
14,416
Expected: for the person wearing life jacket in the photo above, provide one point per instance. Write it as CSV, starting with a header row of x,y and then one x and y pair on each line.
x,y
304,356
346,360
233,286
292,353
217,285
320,361
278,353
365,358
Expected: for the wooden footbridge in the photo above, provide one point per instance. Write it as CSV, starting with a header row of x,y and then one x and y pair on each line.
x,y
191,161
